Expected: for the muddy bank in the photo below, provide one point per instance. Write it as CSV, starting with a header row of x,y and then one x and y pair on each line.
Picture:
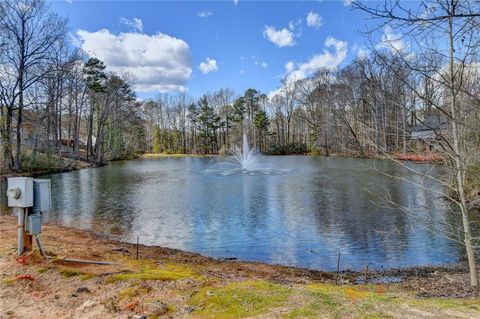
x,y
69,165
171,283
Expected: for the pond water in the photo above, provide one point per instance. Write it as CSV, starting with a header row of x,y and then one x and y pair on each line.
x,y
303,214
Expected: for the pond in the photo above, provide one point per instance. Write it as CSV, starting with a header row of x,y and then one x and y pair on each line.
x,y
303,214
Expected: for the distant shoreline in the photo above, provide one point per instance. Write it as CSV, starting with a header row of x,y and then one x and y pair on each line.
x,y
69,166
72,165
163,155
410,157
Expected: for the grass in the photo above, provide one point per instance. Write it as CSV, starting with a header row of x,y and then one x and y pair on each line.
x,y
446,303
375,302
67,272
148,270
237,300
344,301
133,292
258,297
149,274
9,281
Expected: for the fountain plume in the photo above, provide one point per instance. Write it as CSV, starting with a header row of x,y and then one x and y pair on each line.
x,y
245,157
243,160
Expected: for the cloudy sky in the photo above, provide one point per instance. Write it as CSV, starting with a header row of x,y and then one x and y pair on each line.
x,y
202,46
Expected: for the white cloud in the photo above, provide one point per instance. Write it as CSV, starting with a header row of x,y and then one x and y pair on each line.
x,y
392,41
158,62
210,65
235,2
280,38
314,20
289,66
259,62
362,53
327,59
135,23
294,24
204,14
347,3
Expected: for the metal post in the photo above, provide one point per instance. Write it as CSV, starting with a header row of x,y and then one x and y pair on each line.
x,y
40,245
21,226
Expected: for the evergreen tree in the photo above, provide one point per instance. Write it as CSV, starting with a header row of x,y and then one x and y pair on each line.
x,y
261,123
208,123
157,140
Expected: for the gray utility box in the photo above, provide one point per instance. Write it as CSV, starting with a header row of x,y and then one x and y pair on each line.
x,y
20,192
34,224
41,195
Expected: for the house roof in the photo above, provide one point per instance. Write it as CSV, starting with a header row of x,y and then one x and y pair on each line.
x,y
431,122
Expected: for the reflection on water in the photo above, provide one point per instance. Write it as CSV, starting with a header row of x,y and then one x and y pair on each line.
x,y
303,214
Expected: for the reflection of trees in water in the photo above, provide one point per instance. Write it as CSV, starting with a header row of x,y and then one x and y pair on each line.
x,y
351,210
427,211
303,218
343,199
95,199
229,211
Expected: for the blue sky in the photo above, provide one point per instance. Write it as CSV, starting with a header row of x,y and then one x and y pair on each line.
x,y
162,44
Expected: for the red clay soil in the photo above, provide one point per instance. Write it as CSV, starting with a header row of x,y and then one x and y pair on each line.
x,y
415,157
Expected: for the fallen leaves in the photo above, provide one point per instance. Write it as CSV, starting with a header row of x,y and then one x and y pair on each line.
x,y
132,305
25,277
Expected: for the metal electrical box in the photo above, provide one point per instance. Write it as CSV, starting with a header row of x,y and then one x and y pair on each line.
x,y
34,224
20,192
41,195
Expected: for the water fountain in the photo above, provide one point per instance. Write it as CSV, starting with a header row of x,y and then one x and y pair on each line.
x,y
245,157
244,160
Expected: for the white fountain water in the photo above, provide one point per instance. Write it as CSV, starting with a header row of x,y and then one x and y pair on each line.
x,y
244,160
245,157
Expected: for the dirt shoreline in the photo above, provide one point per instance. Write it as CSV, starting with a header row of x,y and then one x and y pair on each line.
x,y
171,283
70,166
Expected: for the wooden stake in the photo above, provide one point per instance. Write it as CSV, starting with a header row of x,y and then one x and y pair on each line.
x,y
137,246
366,274
338,269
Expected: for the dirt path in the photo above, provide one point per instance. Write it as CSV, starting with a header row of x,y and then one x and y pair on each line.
x,y
174,284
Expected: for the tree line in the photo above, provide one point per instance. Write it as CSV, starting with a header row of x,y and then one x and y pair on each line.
x,y
56,101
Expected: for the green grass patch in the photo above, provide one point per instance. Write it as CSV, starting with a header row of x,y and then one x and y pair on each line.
x,y
341,301
85,276
149,271
133,292
9,281
149,274
237,300
66,272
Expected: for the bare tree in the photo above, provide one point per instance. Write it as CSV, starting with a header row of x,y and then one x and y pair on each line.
x,y
453,24
30,32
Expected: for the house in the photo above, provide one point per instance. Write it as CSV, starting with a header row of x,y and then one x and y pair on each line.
x,y
429,132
